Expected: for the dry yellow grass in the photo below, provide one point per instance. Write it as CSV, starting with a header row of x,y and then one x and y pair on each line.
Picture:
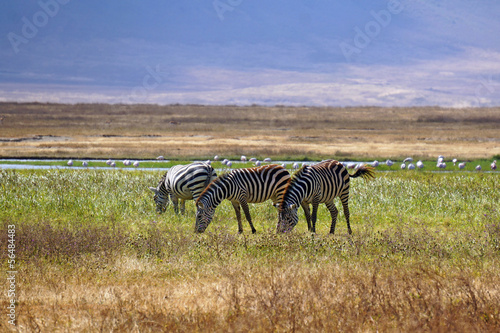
x,y
190,131
135,295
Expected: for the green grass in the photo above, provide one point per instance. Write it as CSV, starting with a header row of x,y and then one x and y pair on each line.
x,y
425,252
99,196
428,165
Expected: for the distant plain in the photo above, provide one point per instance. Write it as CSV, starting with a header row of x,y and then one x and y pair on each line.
x,y
194,131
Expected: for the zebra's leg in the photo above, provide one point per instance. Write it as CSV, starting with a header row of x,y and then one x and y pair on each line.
x,y
307,213
183,206
334,213
244,205
314,216
345,203
175,202
236,206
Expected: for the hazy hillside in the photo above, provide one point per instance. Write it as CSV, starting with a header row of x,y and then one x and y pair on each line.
x,y
243,52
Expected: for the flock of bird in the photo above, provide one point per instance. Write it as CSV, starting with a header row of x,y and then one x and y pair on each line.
x,y
441,164
109,162
406,164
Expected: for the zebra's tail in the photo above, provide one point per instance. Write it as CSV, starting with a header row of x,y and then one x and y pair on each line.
x,y
365,171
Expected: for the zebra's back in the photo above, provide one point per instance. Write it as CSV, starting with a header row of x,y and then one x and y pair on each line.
x,y
264,183
333,178
254,185
321,182
188,181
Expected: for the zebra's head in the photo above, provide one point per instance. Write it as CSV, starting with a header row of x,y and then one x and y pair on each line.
x,y
204,215
287,217
161,196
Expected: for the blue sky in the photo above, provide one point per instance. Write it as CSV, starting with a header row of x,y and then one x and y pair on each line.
x,y
295,52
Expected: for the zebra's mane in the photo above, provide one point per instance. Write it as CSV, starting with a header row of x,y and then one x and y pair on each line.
x,y
297,173
293,179
161,183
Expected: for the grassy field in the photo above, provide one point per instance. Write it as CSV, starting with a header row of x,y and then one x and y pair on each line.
x,y
289,133
92,255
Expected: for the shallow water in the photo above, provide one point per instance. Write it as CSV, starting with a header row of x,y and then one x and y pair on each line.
x,y
22,166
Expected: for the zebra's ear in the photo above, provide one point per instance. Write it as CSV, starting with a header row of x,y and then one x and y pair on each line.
x,y
153,189
292,206
200,205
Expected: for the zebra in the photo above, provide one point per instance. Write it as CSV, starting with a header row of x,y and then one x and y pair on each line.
x,y
319,183
241,186
183,182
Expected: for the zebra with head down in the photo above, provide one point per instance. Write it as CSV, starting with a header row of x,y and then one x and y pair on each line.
x,y
315,184
241,186
184,182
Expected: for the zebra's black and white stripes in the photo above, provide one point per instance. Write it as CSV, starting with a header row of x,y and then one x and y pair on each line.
x,y
184,182
319,183
241,186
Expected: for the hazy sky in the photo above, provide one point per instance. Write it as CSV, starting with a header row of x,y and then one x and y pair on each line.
x,y
297,52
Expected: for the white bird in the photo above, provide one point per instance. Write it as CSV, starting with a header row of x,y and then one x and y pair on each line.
x,y
108,162
295,165
441,165
403,166
454,161
478,168
420,164
136,164
160,158
389,163
267,160
243,158
411,166
257,163
408,159
375,163
461,165
208,162
216,157
85,163
440,159
113,164
493,165
224,161
229,163
126,162
283,165
253,159
70,163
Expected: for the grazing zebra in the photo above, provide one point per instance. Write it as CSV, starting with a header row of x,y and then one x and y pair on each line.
x,y
241,186
183,182
319,183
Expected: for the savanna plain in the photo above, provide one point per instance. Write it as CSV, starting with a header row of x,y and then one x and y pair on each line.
x,y
93,255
